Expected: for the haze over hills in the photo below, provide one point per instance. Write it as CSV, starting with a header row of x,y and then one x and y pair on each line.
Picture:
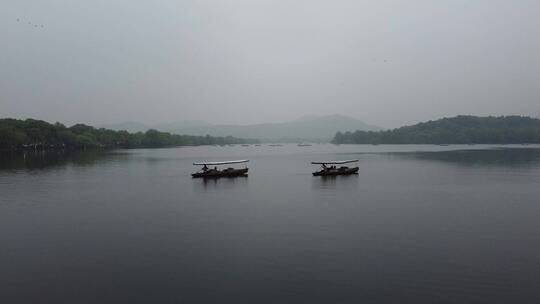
x,y
307,128
462,129
133,126
130,126
32,134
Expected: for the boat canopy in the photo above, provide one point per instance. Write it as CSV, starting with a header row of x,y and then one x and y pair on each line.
x,y
221,163
335,162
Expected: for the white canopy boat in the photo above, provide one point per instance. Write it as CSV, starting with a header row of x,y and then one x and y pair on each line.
x,y
208,172
328,168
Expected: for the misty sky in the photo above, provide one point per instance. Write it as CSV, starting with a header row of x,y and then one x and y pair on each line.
x,y
386,62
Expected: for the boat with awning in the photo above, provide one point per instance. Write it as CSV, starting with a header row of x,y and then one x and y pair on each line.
x,y
208,172
331,168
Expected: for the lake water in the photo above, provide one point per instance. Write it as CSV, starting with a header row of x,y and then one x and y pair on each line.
x,y
418,224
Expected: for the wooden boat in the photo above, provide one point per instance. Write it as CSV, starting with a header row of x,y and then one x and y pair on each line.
x,y
207,172
333,170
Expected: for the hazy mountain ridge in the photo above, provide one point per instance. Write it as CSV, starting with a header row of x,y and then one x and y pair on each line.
x,y
307,128
132,126
321,128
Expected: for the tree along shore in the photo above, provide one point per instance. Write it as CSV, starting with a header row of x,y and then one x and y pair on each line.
x,y
456,130
17,134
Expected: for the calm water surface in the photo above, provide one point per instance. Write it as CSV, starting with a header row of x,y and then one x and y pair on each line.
x,y
419,224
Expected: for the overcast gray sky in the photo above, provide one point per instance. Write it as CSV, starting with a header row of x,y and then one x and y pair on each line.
x,y
245,61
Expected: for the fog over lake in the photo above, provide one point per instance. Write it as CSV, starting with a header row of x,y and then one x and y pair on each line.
x,y
105,106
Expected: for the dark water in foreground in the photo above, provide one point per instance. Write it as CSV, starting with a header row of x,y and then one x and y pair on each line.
x,y
437,226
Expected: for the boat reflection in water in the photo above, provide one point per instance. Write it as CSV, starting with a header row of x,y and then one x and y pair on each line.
x,y
207,172
328,168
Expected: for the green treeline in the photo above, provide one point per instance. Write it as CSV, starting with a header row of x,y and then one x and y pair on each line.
x,y
37,134
456,130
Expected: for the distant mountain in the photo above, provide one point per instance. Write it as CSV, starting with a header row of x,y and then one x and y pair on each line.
x,y
461,129
308,128
181,124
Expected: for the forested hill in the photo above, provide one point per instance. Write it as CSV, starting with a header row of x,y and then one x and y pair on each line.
x,y
30,133
455,130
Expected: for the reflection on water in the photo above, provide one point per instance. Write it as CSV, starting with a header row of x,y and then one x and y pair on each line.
x,y
219,184
32,160
36,160
340,182
134,227
493,157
